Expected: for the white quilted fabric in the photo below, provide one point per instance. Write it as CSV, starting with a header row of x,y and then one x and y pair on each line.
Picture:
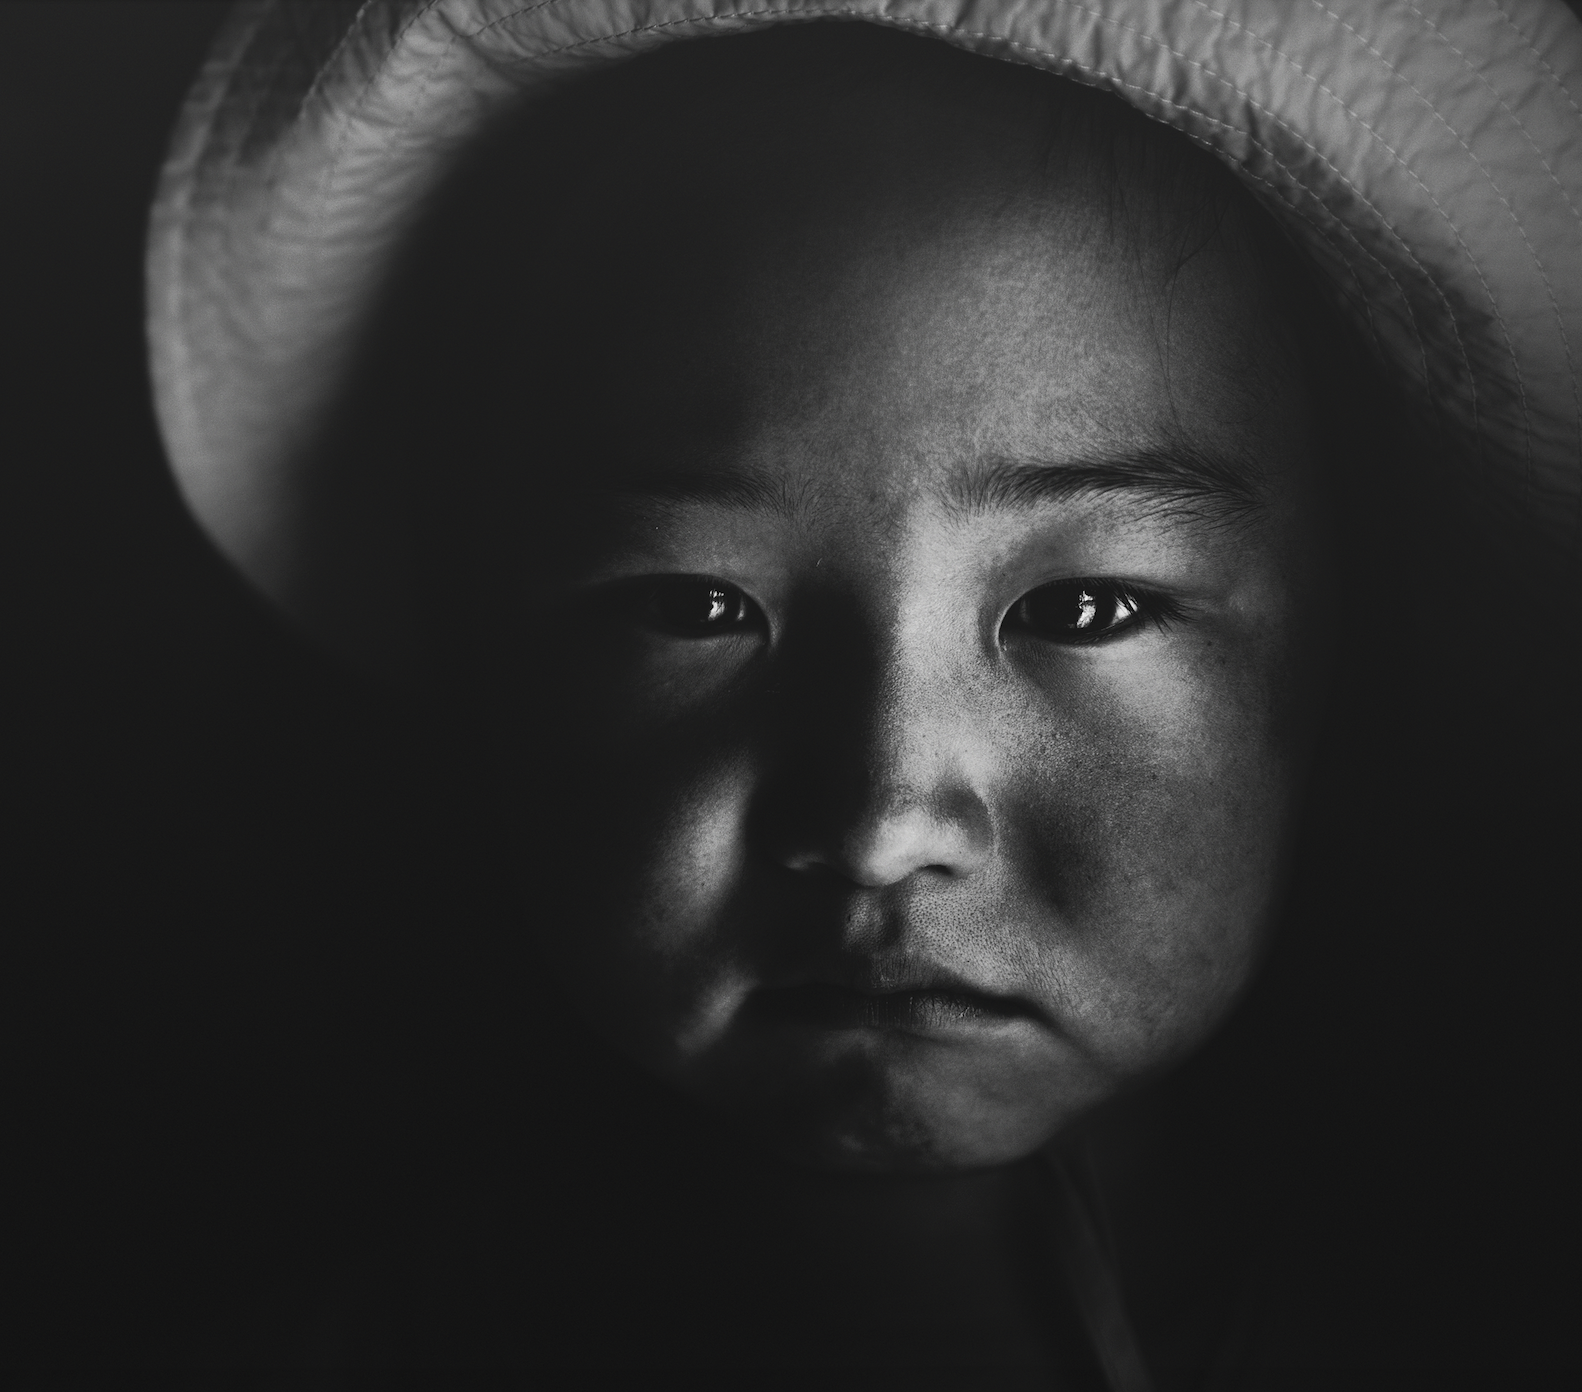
x,y
1428,153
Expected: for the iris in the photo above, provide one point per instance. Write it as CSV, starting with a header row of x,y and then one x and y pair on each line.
x,y
1086,611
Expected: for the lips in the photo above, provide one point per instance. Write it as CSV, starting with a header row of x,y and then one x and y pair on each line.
x,y
931,1009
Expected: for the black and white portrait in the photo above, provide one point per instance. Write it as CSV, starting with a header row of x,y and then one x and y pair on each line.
x,y
791,694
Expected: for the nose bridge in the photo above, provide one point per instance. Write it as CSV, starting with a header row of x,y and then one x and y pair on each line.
x,y
913,722
889,771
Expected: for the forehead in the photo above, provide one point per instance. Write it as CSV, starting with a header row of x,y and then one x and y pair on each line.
x,y
908,287
924,348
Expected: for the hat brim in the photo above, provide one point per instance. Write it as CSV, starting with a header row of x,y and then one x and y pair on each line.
x,y
1427,157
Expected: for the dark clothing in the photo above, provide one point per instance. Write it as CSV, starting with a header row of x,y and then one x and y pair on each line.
x,y
638,1236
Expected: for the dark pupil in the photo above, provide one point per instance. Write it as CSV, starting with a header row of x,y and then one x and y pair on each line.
x,y
695,604
1069,609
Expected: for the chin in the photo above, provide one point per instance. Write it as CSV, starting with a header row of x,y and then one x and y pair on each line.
x,y
913,1120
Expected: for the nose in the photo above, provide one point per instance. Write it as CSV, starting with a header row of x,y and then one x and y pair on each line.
x,y
895,836
885,776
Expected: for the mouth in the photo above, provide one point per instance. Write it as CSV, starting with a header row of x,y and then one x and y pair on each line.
x,y
935,1010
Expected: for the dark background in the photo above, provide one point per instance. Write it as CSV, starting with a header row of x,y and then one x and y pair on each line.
x,y
237,889
246,903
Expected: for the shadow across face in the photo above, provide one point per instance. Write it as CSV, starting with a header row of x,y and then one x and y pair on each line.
x,y
905,554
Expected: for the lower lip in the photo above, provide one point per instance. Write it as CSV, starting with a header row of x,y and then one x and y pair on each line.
x,y
930,1012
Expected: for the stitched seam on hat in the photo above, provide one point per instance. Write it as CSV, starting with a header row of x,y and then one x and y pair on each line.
x,y
1521,384
353,111
1543,62
184,236
1296,135
458,35
340,47
1542,272
234,170
271,174
1302,140
1560,323
1339,101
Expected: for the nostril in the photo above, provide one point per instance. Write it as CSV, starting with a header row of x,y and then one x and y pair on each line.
x,y
845,818
897,844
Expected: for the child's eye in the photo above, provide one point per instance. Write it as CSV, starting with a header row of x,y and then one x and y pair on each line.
x,y
697,606
1086,611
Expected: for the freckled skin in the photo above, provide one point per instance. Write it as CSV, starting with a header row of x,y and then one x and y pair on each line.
x,y
887,773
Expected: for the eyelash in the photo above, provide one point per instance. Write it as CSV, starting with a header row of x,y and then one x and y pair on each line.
x,y
719,608
1092,596
701,606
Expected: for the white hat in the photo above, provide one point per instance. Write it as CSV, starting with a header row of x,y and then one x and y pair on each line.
x,y
1427,154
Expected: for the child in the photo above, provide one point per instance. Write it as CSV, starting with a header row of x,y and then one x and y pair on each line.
x,y
937,571
897,551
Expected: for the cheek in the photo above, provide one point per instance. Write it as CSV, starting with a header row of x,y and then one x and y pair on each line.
x,y
649,828
1151,824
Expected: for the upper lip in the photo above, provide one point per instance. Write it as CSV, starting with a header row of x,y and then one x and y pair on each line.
x,y
875,946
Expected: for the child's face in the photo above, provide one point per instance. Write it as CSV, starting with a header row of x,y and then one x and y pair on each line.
x,y
930,618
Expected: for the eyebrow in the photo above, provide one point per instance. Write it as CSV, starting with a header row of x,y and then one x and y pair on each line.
x,y
743,488
1179,481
